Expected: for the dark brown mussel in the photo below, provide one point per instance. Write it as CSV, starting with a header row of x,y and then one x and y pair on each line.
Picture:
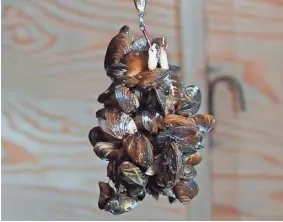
x,y
106,192
191,158
139,149
118,47
115,122
186,190
107,151
136,63
120,203
168,172
149,101
132,174
96,135
149,121
113,171
190,101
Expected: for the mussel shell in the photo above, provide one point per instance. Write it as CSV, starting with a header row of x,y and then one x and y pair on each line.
x,y
128,81
120,203
183,133
103,97
154,167
186,190
168,192
149,121
152,79
139,149
96,135
107,151
149,101
132,174
118,46
106,192
191,158
190,102
188,172
177,83
194,144
139,44
177,120
116,123
113,171
116,71
136,62
127,101
165,96
167,175
171,200
205,122
136,192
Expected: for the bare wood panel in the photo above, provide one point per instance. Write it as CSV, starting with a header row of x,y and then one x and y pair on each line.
x,y
53,54
245,40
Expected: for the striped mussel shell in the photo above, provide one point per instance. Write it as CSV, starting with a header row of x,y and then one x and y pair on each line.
x,y
149,121
132,174
127,100
177,84
139,149
168,172
187,172
107,151
118,46
139,44
191,158
193,144
120,203
152,79
182,134
115,122
186,190
165,96
205,122
190,101
96,135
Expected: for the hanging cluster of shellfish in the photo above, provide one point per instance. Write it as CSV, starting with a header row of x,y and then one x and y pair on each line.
x,y
148,130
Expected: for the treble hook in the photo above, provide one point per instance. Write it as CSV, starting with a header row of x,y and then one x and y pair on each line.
x,y
140,6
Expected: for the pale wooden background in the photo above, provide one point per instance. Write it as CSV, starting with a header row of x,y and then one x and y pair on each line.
x,y
52,73
245,40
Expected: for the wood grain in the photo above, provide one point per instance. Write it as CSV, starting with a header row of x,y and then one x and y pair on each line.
x,y
245,40
53,53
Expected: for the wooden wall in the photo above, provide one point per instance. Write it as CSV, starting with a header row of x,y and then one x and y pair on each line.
x,y
53,53
245,40
52,74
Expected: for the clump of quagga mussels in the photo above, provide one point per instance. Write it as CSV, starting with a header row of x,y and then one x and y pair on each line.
x,y
148,130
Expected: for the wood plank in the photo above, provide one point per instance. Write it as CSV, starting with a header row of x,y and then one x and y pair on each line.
x,y
245,40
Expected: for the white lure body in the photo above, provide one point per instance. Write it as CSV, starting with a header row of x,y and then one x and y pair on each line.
x,y
152,57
